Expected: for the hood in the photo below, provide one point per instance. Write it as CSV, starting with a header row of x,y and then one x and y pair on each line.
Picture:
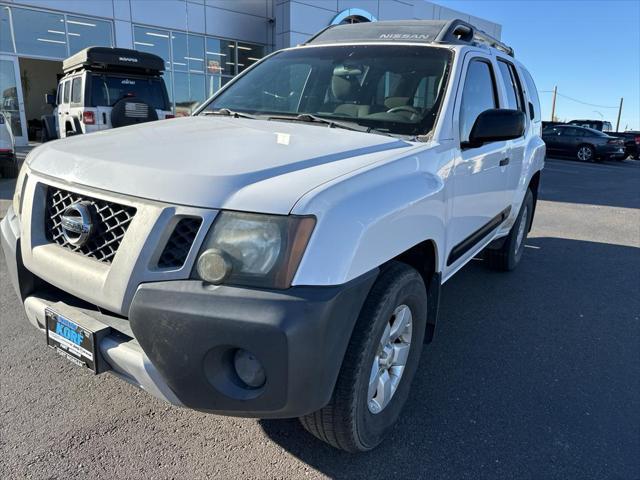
x,y
213,162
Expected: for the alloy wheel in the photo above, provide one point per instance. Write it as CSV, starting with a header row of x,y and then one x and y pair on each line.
x,y
390,359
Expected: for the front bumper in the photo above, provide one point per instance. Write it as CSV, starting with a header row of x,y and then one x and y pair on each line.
x,y
179,339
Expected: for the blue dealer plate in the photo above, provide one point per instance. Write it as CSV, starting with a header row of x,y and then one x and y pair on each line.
x,y
72,341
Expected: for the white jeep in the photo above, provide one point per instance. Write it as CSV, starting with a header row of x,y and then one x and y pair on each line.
x,y
281,252
106,88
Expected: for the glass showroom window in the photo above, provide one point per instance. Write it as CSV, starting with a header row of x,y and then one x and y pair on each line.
x,y
39,33
248,54
215,83
152,40
6,43
180,52
195,53
181,102
87,32
221,57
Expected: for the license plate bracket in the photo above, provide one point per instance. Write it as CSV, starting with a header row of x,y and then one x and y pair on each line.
x,y
74,340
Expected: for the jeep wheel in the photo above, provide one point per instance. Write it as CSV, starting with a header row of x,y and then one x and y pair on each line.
x,y
379,364
508,256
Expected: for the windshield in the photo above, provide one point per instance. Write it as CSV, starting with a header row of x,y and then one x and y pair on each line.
x,y
389,88
106,90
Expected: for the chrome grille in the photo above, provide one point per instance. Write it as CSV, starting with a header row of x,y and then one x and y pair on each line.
x,y
177,248
110,223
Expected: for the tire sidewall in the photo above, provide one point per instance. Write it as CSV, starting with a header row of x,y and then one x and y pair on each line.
x,y
515,253
371,427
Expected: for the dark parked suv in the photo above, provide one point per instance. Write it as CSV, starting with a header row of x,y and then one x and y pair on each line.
x,y
585,144
601,125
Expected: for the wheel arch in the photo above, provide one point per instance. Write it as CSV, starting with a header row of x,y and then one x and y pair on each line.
x,y
424,258
534,186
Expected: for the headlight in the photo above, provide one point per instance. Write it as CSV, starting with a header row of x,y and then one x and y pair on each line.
x,y
19,191
254,250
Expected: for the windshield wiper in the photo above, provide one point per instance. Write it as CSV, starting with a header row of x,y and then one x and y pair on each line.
x,y
228,113
331,123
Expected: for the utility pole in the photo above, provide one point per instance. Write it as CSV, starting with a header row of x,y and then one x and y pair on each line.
x,y
553,104
619,113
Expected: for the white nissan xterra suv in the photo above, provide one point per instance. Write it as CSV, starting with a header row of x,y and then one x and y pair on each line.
x,y
280,253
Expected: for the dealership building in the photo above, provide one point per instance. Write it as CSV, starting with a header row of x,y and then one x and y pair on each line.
x,y
204,42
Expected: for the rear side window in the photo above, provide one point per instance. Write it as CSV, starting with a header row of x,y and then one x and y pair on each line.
x,y
533,94
76,90
573,132
511,82
106,90
67,89
479,94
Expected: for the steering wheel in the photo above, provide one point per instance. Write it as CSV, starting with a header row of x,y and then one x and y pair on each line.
x,y
404,108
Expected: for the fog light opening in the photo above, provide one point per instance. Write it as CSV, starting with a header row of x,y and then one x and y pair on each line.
x,y
249,369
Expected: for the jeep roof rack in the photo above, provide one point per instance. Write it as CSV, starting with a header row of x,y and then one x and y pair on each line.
x,y
457,32
114,59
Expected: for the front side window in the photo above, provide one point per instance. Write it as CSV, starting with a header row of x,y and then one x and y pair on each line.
x,y
76,90
478,95
379,87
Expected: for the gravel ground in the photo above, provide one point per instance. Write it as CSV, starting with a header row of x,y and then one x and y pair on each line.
x,y
533,374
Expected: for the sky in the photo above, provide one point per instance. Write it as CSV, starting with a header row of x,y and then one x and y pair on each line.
x,y
589,49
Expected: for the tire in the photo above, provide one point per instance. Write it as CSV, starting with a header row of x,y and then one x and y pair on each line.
x,y
586,153
507,257
348,422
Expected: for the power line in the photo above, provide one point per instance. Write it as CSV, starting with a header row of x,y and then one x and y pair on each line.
x,y
577,101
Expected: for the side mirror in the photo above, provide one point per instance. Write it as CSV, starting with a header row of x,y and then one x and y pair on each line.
x,y
50,99
496,125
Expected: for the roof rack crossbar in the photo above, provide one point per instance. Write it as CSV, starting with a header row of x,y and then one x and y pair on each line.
x,y
460,31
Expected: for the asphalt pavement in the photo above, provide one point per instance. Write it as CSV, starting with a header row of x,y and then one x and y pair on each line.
x,y
533,374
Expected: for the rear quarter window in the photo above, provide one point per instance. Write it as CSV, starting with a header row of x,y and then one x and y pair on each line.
x,y
532,93
76,91
66,91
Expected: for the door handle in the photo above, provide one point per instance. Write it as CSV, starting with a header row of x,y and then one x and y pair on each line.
x,y
504,161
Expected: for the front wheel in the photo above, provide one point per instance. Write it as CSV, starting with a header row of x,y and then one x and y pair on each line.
x,y
379,364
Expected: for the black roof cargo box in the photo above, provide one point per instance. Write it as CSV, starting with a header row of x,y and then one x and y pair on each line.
x,y
114,59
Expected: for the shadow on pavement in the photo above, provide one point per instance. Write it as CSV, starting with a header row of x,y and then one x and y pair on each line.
x,y
531,375
574,182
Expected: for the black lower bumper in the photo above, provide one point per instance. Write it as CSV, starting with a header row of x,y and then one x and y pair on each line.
x,y
190,331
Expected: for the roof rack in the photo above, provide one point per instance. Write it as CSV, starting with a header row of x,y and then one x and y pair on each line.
x,y
456,31
420,31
